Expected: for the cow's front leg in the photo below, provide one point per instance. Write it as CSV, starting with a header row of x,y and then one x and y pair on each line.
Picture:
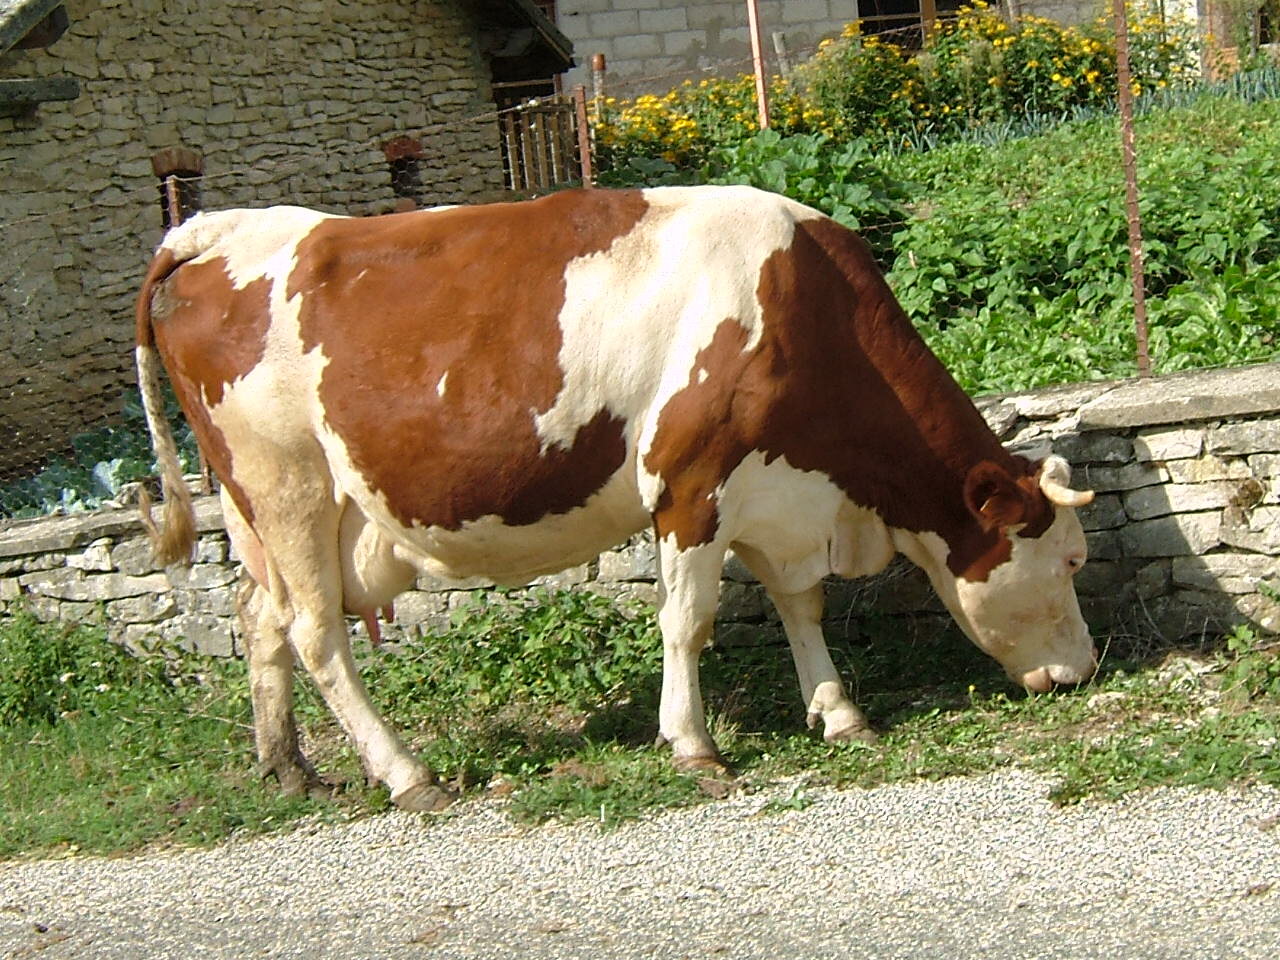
x,y
271,689
820,684
688,594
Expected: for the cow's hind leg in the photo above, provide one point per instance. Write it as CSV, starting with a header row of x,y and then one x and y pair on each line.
x,y
689,592
306,587
271,689
824,694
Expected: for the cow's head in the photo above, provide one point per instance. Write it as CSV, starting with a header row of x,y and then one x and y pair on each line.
x,y
1016,599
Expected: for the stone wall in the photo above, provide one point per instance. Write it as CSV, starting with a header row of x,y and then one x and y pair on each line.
x,y
651,45
288,101
1184,535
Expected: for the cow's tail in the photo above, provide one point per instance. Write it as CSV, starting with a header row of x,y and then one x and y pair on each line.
x,y
174,538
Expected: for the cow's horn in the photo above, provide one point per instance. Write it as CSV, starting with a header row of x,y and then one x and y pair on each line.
x,y
1055,474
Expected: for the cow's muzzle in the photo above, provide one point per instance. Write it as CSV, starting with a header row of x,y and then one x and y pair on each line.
x,y
1044,679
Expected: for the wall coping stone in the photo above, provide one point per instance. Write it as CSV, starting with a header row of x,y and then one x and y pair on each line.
x,y
1185,397
45,534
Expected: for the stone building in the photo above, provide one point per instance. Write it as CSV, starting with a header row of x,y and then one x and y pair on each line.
x,y
314,102
652,45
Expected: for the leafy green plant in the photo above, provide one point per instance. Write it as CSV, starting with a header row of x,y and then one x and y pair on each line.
x,y
50,672
575,648
842,180
1250,665
1016,263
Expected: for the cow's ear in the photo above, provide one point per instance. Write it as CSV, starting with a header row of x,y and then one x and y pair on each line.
x,y
994,497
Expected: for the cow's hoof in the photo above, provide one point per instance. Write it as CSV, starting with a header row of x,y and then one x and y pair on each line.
x,y
854,733
713,766
424,798
296,777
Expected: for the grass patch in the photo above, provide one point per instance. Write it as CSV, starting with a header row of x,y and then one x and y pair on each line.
x,y
552,702
102,752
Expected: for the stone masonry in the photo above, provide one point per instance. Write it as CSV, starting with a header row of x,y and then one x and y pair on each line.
x,y
652,45
1184,535
288,102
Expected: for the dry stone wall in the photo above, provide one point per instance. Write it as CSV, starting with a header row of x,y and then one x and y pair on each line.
x,y
288,102
1184,535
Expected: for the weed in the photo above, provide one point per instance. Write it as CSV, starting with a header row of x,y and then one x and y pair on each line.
x,y
797,799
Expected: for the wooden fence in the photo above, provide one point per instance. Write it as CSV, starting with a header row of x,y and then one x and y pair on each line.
x,y
545,144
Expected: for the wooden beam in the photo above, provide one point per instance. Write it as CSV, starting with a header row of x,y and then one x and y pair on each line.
x,y
47,31
20,17
23,92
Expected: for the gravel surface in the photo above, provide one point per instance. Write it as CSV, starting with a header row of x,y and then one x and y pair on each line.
x,y
973,867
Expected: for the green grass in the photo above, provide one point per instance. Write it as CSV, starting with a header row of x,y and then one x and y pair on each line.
x,y
103,752
552,702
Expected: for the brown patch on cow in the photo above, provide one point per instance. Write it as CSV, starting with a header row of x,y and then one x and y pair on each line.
x,y
700,439
839,383
442,334
210,335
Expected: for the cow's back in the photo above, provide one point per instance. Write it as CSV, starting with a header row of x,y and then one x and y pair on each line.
x,y
481,380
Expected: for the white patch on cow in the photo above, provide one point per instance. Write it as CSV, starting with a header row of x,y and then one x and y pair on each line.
x,y
1025,614
254,243
799,523
702,375
440,387
489,547
636,315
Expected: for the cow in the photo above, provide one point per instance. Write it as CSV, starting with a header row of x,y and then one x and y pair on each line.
x,y
506,390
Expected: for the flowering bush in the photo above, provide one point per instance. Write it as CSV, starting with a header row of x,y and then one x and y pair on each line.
x,y
683,126
976,69
980,68
1164,50
861,87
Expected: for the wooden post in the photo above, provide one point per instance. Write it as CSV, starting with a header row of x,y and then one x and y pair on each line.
x,y
780,48
512,141
928,18
173,199
584,136
597,85
1130,161
757,61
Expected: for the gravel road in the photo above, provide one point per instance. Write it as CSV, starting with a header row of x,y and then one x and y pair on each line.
x,y
975,867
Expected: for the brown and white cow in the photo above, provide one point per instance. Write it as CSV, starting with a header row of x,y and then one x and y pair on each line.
x,y
507,390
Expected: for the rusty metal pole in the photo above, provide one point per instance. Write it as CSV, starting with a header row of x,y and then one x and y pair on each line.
x,y
597,85
1130,159
757,61
584,136
173,199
